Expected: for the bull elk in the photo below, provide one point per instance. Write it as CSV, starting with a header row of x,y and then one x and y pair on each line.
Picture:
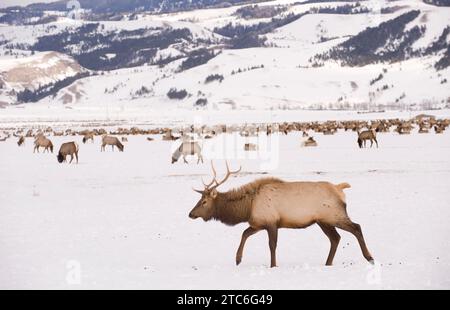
x,y
270,204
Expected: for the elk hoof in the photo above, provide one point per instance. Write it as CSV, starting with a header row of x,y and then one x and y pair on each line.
x,y
238,261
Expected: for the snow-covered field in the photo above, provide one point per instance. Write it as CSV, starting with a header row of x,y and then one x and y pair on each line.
x,y
120,220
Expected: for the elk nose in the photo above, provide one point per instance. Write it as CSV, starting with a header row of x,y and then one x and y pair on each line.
x,y
192,216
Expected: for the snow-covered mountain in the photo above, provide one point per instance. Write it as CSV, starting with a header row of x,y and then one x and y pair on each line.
x,y
36,76
280,54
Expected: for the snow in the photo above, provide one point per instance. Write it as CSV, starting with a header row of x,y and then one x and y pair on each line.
x,y
122,218
287,81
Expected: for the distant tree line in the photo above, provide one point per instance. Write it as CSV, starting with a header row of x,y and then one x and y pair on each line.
x,y
342,9
89,44
177,94
389,42
214,77
256,11
438,2
197,58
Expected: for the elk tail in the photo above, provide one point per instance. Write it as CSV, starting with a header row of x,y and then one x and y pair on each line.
x,y
343,186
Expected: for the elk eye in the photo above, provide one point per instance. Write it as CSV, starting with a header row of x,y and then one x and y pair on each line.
x,y
204,202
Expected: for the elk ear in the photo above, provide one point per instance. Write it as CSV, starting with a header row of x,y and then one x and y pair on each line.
x,y
213,194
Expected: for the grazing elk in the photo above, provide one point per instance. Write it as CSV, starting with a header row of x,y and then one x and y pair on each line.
x,y
88,136
270,204
367,135
42,141
113,141
185,149
21,141
70,148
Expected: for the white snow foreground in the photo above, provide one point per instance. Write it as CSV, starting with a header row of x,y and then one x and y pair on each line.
x,y
120,220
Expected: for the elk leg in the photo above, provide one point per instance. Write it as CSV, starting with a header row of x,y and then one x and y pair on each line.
x,y
371,143
184,158
76,156
273,238
334,237
376,141
355,229
71,158
245,235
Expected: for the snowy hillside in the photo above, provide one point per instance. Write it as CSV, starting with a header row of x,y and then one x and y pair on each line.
x,y
281,54
37,74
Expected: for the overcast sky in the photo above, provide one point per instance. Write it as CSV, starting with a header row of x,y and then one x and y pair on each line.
x,y
5,3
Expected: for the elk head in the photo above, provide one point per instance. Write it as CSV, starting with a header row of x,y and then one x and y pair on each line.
x,y
205,206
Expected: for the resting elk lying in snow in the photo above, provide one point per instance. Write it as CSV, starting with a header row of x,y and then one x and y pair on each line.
x,y
185,149
113,141
270,204
70,148
310,142
250,147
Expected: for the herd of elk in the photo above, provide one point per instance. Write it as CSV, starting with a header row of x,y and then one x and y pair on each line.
x,y
270,204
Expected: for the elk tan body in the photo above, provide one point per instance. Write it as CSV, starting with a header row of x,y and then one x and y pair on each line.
x,y
367,135
88,136
113,141
297,204
270,204
42,141
70,148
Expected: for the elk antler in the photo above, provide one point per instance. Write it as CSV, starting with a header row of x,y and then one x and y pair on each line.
x,y
214,180
229,173
207,186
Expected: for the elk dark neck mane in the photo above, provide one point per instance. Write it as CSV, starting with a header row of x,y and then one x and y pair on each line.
x,y
234,207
